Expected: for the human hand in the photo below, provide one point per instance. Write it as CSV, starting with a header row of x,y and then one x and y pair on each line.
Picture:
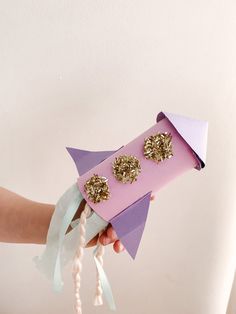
x,y
109,236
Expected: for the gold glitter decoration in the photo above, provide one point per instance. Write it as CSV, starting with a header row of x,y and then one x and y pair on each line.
x,y
97,188
126,168
158,147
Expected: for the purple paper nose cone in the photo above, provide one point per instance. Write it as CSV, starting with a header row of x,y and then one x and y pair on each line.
x,y
193,131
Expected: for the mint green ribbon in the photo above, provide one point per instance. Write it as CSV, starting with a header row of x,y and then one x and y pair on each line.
x,y
72,209
51,261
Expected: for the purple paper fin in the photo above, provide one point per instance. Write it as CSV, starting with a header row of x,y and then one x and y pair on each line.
x,y
85,160
130,223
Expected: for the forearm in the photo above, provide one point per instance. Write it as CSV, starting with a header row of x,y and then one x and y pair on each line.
x,y
22,220
26,221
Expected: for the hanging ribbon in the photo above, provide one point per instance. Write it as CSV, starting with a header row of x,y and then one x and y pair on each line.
x,y
54,255
72,209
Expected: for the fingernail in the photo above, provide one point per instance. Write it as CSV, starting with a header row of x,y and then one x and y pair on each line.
x,y
121,248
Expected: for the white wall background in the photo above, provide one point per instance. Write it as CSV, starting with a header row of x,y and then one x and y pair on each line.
x,y
93,74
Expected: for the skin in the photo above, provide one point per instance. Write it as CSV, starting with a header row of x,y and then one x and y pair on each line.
x,y
26,221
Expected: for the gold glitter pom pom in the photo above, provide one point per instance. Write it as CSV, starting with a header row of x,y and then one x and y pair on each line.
x,y
158,147
126,168
97,188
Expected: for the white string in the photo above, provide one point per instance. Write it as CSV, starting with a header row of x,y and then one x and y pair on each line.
x,y
77,266
99,255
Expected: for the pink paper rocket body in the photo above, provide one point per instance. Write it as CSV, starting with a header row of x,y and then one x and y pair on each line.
x,y
127,207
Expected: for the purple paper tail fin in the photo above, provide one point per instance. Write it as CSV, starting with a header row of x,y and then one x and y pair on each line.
x,y
130,223
85,160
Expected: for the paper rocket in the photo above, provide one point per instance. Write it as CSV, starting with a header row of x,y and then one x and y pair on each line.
x,y
127,206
